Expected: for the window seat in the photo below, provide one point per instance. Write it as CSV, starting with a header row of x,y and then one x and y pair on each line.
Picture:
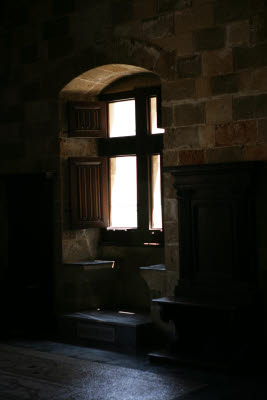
x,y
92,264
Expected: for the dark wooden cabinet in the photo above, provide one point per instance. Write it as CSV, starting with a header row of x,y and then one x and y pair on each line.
x,y
27,239
216,305
216,208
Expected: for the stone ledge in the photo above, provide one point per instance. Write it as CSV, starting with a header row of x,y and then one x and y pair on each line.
x,y
157,267
92,265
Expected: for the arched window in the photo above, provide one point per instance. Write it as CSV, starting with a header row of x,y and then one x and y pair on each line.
x,y
120,190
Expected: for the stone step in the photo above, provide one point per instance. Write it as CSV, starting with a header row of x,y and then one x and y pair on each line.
x,y
118,330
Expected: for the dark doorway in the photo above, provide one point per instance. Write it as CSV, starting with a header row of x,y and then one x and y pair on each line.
x,y
26,214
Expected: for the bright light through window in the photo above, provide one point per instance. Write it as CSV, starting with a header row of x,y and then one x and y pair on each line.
x,y
123,192
156,192
122,118
153,117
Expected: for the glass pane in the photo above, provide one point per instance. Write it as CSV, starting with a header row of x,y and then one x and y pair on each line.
x,y
123,192
156,193
122,118
153,117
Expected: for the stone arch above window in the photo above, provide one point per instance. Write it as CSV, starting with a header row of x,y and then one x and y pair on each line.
x,y
102,79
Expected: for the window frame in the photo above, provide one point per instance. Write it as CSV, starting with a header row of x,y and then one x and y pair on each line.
x,y
143,145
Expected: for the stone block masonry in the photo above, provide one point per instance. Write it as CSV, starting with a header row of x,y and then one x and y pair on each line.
x,y
62,7
60,47
224,154
29,54
168,5
249,107
217,62
259,28
236,133
228,10
179,89
209,39
158,27
56,28
249,57
253,81
225,84
190,157
188,67
238,33
182,138
189,114
257,152
31,91
211,59
219,110
225,69
167,116
262,131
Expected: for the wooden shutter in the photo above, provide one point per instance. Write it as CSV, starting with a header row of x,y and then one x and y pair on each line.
x,y
87,119
89,192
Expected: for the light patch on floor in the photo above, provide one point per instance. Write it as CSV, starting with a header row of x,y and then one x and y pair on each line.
x,y
29,374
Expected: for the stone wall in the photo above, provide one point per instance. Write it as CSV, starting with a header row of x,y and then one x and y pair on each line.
x,y
209,54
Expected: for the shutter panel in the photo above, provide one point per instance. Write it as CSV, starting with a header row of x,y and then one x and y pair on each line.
x,y
87,119
89,194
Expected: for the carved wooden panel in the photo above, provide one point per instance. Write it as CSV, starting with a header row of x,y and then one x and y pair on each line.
x,y
216,226
87,119
214,259
89,181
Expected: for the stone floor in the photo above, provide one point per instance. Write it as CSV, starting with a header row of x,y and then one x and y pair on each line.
x,y
40,370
